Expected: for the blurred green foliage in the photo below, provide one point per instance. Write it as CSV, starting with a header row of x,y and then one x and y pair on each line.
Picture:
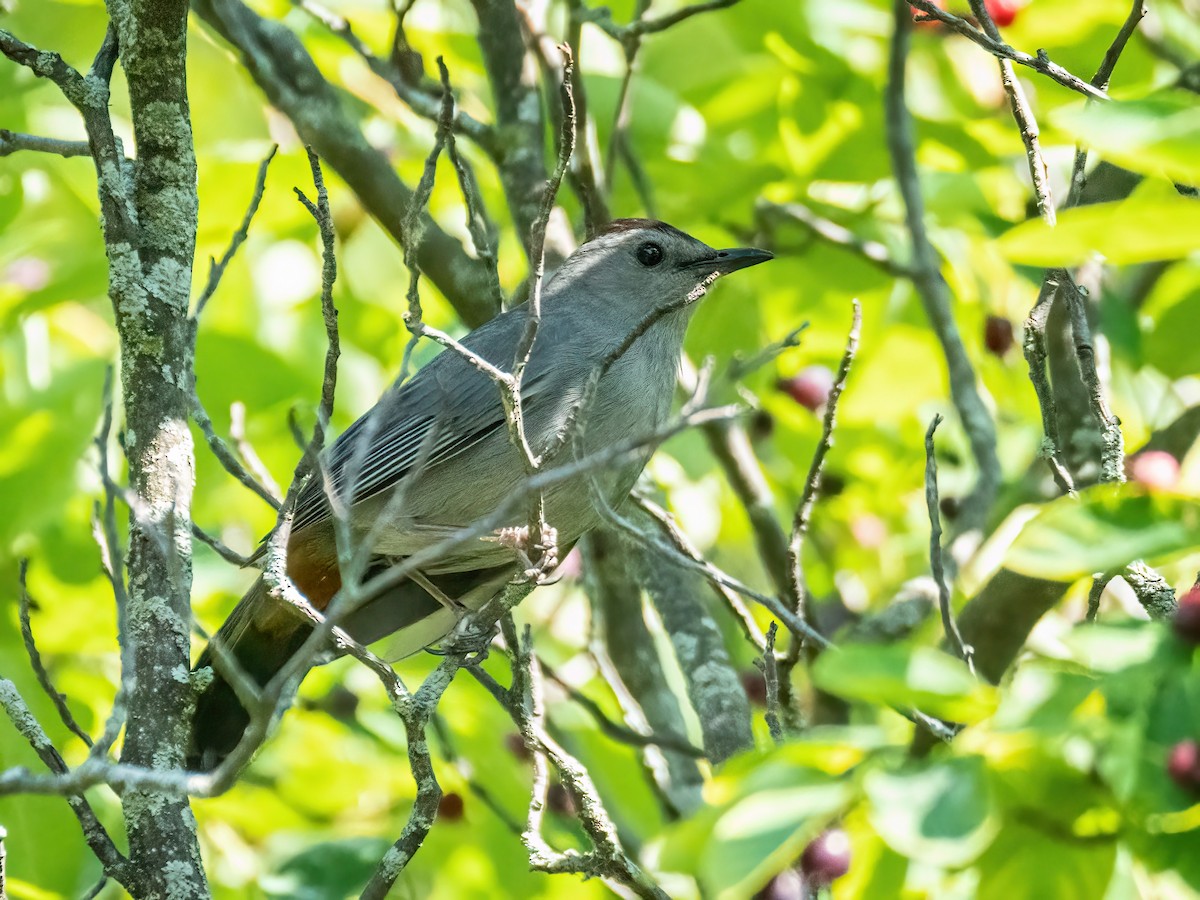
x,y
1056,789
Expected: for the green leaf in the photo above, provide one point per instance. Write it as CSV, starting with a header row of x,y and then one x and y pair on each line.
x,y
1106,528
1028,864
921,677
328,871
943,814
1139,229
1154,135
761,819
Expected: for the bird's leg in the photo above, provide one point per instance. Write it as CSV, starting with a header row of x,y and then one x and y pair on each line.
x,y
439,595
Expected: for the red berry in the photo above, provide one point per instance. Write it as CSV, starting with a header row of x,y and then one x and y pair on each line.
x,y
1187,617
1183,765
755,686
1156,469
1003,12
998,335
827,857
450,807
810,388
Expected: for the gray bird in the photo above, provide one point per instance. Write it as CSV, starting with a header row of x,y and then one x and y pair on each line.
x,y
441,438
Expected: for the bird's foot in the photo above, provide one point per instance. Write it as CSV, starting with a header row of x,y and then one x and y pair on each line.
x,y
466,641
537,557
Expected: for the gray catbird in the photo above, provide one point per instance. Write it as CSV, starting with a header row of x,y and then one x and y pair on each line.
x,y
442,439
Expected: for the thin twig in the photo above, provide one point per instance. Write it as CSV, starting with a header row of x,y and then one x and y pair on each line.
x,y
808,497
24,602
608,858
94,832
481,228
12,142
1101,80
245,450
217,269
1023,113
769,666
226,457
226,553
838,235
949,626
1040,63
615,730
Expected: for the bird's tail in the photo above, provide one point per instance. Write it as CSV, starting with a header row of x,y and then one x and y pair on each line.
x,y
261,634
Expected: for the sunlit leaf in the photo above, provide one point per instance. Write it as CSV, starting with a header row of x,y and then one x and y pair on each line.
x,y
1154,135
921,677
941,814
1136,230
1104,529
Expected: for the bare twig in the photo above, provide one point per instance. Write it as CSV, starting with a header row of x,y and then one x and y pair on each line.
x,y
245,450
812,484
1040,63
320,212
225,456
481,228
35,658
217,269
615,730
226,553
422,100
769,666
949,626
833,233
12,142
608,858
1100,81
1026,123
94,832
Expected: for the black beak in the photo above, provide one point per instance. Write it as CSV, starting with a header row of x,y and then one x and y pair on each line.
x,y
727,261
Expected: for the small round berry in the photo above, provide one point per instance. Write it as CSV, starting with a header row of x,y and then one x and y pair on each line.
x,y
827,857
450,807
1156,469
810,388
1183,765
1187,616
998,335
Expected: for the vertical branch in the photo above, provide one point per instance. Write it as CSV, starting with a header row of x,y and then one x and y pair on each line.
x,y
1035,349
932,287
149,282
1112,443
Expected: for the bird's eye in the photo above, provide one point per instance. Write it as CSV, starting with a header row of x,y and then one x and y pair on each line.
x,y
649,254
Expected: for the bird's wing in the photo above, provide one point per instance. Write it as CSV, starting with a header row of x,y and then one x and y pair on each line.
x,y
442,411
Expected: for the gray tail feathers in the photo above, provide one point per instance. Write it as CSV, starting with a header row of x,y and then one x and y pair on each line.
x,y
262,636
262,633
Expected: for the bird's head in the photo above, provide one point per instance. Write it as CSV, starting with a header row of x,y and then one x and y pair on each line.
x,y
635,266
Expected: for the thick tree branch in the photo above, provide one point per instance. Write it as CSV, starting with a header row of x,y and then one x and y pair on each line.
x,y
932,287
